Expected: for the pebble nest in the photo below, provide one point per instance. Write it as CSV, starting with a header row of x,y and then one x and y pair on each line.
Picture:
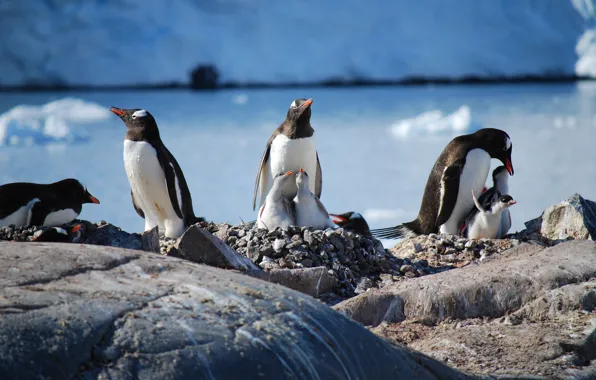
x,y
357,262
13,233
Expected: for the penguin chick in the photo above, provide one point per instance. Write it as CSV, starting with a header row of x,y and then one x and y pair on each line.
x,y
277,210
310,212
484,221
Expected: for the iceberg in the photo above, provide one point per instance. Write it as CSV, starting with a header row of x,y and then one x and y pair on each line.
x,y
137,42
434,122
48,123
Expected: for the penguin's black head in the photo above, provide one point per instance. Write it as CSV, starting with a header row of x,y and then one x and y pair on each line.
x,y
499,171
507,199
72,189
351,221
299,110
498,144
140,123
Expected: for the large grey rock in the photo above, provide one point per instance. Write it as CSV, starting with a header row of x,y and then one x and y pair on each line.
x,y
150,240
575,218
199,246
89,312
522,274
311,281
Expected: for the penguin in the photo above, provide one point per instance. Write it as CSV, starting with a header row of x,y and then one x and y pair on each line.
x,y
462,167
158,188
291,146
310,212
277,210
25,204
57,234
484,221
351,221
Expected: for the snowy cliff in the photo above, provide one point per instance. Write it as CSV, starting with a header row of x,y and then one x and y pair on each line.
x,y
132,42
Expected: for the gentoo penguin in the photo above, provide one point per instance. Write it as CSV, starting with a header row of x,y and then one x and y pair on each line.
x,y
27,204
462,167
277,210
290,147
56,234
484,221
158,189
351,221
310,212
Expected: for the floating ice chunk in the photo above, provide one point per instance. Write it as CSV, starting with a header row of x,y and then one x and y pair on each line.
x,y
376,215
49,123
434,122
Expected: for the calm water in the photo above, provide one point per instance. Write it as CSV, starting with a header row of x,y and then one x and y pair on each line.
x,y
218,139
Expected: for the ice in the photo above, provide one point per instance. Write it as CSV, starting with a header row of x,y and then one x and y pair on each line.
x,y
49,123
434,122
382,215
131,42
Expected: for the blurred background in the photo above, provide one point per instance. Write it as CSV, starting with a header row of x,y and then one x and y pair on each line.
x,y
392,83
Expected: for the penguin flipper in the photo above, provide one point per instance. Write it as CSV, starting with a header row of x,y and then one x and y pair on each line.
x,y
318,179
136,206
449,191
261,180
165,159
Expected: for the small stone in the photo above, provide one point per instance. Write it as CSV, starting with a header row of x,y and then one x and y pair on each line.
x,y
278,245
470,244
450,251
307,263
432,236
241,233
274,233
407,268
410,275
417,247
232,240
309,237
294,244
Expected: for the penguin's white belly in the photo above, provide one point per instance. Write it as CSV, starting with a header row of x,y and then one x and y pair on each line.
x,y
272,215
484,226
148,184
293,154
21,217
308,214
472,177
505,215
60,217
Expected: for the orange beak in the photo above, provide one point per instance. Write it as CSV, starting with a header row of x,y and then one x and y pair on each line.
x,y
513,202
77,228
118,111
509,166
93,199
301,171
307,103
337,219
289,172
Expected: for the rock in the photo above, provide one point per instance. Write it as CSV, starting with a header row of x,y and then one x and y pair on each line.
x,y
204,77
522,274
150,240
199,246
88,312
574,218
311,281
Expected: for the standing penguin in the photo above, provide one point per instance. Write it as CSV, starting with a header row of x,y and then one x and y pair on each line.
x,y
277,210
291,146
351,221
484,221
27,204
310,212
462,167
158,188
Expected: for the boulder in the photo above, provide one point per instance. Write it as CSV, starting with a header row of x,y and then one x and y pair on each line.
x,y
573,218
521,275
150,240
91,312
200,246
311,281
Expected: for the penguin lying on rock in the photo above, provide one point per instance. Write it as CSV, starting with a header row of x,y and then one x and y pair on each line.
x,y
25,204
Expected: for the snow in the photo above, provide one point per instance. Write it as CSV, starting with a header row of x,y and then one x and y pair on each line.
x,y
131,42
434,122
49,123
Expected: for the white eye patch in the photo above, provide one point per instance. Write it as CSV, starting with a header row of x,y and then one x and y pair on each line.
x,y
507,143
293,105
139,113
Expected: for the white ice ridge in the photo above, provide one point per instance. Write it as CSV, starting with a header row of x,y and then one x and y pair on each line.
x,y
434,122
48,123
72,43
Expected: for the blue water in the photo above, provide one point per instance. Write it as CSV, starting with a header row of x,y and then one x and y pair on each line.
x,y
218,139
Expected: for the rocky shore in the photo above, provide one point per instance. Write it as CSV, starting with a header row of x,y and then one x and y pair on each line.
x,y
520,306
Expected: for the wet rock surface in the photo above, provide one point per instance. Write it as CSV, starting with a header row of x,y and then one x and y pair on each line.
x,y
90,312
